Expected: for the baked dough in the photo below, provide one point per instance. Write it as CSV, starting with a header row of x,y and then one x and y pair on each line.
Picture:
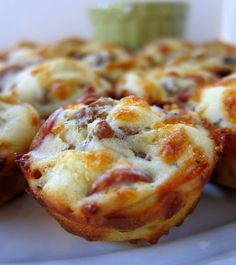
x,y
217,106
119,170
55,83
18,125
163,85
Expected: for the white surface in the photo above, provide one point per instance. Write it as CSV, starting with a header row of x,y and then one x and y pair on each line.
x,y
30,236
49,20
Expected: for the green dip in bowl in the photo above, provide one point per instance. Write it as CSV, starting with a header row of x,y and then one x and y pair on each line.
x,y
134,24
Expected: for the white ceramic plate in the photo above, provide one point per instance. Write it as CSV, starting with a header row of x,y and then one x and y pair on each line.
x,y
208,236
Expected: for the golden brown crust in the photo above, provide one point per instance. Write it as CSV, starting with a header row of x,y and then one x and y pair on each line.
x,y
92,233
170,209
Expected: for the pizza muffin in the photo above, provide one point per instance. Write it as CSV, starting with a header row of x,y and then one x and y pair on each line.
x,y
217,105
111,60
24,53
216,57
158,52
55,83
15,59
119,170
221,49
163,85
19,123
68,47
99,54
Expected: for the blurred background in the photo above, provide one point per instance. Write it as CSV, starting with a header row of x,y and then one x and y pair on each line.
x,y
49,20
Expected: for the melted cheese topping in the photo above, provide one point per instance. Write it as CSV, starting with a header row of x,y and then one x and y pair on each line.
x,y
94,153
56,82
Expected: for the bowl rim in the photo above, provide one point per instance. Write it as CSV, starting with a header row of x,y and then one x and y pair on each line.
x,y
105,5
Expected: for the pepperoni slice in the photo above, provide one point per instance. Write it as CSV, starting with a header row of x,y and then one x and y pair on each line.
x,y
118,176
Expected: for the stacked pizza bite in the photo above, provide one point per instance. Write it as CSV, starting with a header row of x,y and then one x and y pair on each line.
x,y
127,139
